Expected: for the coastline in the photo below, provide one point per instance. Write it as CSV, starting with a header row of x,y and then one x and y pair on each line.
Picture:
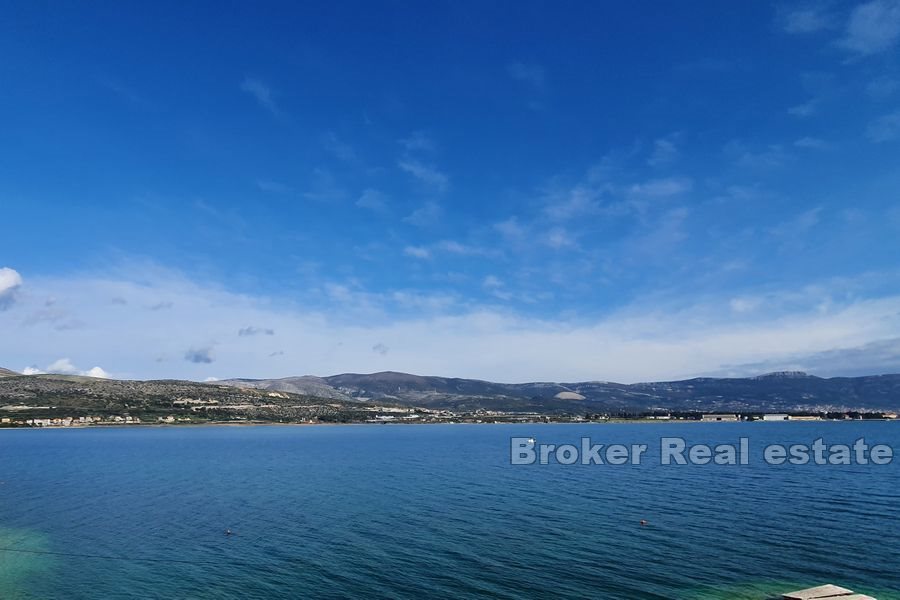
x,y
420,423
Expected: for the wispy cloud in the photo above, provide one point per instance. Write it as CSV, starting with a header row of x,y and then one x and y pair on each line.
x,y
494,286
643,340
665,151
873,27
770,157
426,215
811,143
807,109
559,238
882,88
460,249
372,199
417,252
59,318
804,19
10,282
568,204
791,233
323,186
451,247
418,141
262,93
338,147
658,188
426,174
885,128
272,187
511,229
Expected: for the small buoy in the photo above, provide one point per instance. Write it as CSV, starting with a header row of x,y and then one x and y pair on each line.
x,y
643,522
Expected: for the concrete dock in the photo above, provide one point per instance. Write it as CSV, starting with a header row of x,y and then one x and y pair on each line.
x,y
825,592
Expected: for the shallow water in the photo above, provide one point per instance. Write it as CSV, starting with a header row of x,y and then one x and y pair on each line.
x,y
413,511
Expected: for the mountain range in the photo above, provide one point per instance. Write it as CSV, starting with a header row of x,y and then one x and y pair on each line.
x,y
781,391
346,394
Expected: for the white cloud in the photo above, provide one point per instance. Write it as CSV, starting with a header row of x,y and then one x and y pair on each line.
x,y
426,215
460,249
339,148
427,174
417,252
644,340
373,200
418,141
743,305
97,372
873,27
885,128
262,93
771,157
665,152
511,230
273,187
64,366
808,19
492,282
807,109
558,238
662,187
882,88
576,202
324,187
494,286
811,143
797,226
10,282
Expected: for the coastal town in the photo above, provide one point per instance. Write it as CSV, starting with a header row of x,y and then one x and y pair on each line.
x,y
196,415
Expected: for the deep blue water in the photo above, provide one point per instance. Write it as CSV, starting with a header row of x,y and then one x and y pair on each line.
x,y
435,511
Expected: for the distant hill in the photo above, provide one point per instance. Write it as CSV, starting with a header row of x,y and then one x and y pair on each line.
x,y
306,385
338,396
781,391
42,396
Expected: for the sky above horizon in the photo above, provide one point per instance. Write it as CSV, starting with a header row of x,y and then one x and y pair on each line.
x,y
513,192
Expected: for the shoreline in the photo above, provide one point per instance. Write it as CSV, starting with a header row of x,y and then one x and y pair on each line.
x,y
406,424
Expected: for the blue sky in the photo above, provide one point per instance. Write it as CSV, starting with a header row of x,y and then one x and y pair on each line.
x,y
512,192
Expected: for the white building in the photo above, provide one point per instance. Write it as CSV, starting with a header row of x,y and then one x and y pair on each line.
x,y
776,417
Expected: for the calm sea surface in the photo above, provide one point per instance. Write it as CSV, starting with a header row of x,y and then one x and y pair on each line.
x,y
435,511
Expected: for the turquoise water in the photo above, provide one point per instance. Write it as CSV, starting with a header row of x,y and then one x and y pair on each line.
x,y
435,511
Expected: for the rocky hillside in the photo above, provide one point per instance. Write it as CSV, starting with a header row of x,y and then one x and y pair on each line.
x,y
49,396
349,396
787,391
306,386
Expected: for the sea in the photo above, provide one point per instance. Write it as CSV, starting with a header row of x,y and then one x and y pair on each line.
x,y
438,511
